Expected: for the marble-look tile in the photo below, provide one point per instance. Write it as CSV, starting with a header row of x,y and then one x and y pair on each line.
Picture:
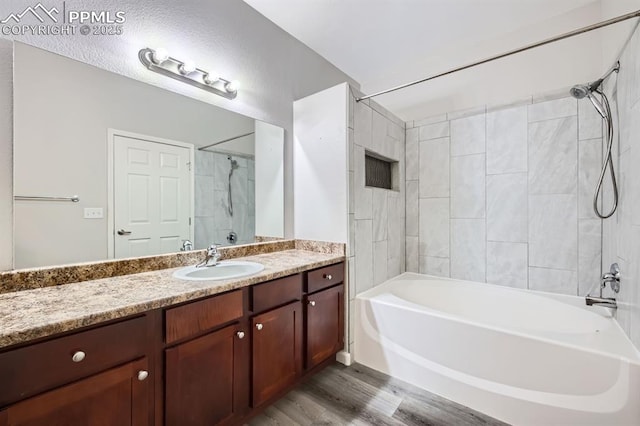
x,y
396,235
221,214
251,170
363,195
507,264
378,133
589,255
412,208
507,207
528,100
434,227
412,254
408,124
468,186
438,266
221,174
394,130
362,125
204,232
553,280
430,120
351,142
463,113
434,131
380,214
633,194
412,155
507,141
589,164
549,110
551,95
379,262
351,251
468,135
204,163
553,156
589,121
553,231
623,313
434,168
352,193
634,293
351,277
468,249
203,202
364,255
239,186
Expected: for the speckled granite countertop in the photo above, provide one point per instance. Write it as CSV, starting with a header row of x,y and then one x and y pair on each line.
x,y
33,314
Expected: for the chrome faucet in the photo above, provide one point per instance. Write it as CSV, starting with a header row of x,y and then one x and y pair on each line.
x,y
186,245
212,255
613,279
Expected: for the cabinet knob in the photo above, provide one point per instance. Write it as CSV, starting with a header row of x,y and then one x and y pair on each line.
x,y
240,334
78,356
328,277
259,326
142,375
312,302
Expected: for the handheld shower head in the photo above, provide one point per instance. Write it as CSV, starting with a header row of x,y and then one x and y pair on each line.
x,y
598,105
579,91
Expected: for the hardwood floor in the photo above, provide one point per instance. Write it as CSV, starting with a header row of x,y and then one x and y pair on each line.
x,y
357,395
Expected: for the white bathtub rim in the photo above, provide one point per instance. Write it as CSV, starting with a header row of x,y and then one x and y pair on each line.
x,y
565,401
415,307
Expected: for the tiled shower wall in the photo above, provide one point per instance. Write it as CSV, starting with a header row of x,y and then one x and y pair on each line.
x,y
503,195
376,248
622,231
212,219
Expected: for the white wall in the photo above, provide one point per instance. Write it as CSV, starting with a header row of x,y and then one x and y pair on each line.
x,y
226,36
244,145
61,121
269,180
320,165
6,155
538,71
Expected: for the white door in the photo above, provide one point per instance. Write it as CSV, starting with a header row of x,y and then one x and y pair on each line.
x,y
151,195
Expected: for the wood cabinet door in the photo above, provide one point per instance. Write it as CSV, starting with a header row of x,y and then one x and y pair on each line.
x,y
207,379
115,397
325,325
277,351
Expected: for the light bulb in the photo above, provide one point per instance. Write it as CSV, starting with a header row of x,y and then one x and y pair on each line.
x,y
210,79
232,86
187,67
159,55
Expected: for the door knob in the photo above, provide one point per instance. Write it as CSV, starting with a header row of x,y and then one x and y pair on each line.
x,y
240,334
312,302
123,232
328,276
142,375
259,326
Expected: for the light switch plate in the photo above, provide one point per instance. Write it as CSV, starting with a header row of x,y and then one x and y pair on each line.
x,y
93,213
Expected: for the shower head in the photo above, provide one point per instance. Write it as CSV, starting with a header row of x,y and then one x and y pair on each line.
x,y
579,91
234,163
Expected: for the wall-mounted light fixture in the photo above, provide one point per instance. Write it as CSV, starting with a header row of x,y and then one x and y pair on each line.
x,y
159,61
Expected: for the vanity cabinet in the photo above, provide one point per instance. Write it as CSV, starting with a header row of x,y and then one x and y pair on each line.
x,y
99,376
216,360
325,324
277,351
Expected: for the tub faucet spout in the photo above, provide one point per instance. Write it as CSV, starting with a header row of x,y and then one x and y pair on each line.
x,y
607,302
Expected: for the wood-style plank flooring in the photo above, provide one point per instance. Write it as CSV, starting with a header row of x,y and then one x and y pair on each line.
x,y
358,395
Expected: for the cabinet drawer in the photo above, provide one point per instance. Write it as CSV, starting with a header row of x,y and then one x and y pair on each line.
x,y
276,293
194,318
34,369
322,278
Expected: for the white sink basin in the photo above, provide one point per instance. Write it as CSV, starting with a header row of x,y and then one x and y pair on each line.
x,y
225,270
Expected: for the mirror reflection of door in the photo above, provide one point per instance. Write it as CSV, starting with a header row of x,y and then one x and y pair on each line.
x,y
151,196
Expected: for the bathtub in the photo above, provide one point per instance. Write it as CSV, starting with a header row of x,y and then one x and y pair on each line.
x,y
523,357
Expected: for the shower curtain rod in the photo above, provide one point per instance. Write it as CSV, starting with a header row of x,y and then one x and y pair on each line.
x,y
202,148
579,31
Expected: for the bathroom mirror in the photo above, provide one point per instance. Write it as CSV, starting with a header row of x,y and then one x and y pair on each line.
x,y
150,168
